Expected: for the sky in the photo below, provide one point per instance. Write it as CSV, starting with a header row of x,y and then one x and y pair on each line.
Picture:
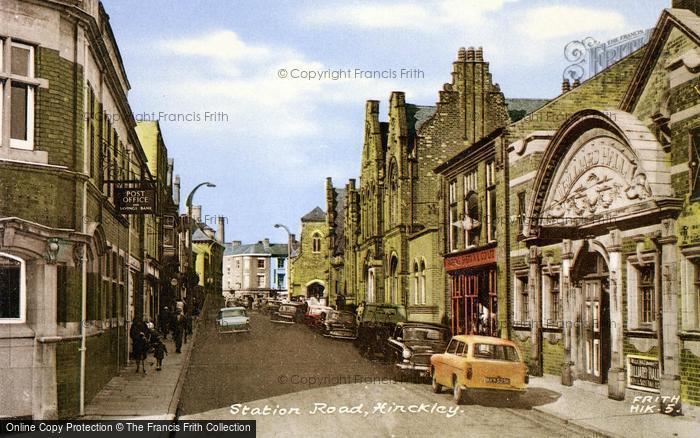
x,y
230,82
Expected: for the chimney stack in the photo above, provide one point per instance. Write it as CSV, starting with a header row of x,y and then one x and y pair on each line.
x,y
196,213
220,229
565,86
235,243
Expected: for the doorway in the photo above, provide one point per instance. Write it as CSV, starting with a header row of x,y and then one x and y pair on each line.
x,y
592,277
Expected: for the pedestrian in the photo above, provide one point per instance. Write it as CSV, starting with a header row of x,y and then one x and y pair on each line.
x,y
164,321
159,352
178,328
360,311
340,301
141,351
137,326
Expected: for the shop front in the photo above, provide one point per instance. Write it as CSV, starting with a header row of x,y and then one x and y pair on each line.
x,y
474,301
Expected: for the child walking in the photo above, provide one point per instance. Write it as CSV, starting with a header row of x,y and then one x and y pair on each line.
x,y
159,351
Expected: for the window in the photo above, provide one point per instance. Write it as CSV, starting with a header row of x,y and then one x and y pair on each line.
x,y
280,281
20,88
280,262
696,285
394,194
421,282
646,294
238,263
555,308
471,209
521,212
522,296
12,289
316,243
416,275
454,220
261,281
491,214
694,164
261,263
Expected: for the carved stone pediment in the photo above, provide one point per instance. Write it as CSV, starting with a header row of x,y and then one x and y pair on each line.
x,y
601,176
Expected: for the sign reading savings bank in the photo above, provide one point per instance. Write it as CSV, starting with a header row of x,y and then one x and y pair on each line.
x,y
140,200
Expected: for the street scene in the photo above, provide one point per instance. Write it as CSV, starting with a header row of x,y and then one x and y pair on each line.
x,y
324,218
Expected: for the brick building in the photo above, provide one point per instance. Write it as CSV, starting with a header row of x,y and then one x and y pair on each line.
x,y
72,268
604,262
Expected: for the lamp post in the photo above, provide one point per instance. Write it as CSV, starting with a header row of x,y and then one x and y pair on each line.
x,y
188,206
289,259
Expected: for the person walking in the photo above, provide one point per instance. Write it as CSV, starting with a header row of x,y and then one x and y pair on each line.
x,y
164,321
178,328
141,351
137,326
159,352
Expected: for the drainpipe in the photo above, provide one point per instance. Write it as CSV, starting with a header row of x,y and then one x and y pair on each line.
x,y
83,298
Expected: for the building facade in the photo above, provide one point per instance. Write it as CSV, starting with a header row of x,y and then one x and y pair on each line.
x,y
257,269
606,259
72,268
309,275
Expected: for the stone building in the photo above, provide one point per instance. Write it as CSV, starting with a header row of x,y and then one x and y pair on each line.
x,y
208,254
256,269
72,268
309,274
604,255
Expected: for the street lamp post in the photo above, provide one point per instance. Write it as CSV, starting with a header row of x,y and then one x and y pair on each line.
x,y
289,259
188,206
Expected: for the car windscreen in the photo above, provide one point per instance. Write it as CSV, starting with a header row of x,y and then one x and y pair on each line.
x,y
496,352
422,334
232,313
288,309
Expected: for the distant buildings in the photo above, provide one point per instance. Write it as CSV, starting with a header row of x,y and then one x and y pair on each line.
x,y
257,269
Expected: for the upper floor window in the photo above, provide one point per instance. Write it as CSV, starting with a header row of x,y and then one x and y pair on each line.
x,y
261,263
472,222
18,85
491,211
316,243
521,212
694,164
12,289
280,262
454,216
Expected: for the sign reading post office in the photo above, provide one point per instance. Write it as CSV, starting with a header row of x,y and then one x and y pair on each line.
x,y
136,200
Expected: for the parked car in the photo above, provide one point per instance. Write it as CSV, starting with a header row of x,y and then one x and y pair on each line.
x,y
233,320
412,344
288,313
377,323
340,325
316,315
473,364
270,306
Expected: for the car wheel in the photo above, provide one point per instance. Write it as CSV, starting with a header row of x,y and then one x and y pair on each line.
x,y
459,394
437,388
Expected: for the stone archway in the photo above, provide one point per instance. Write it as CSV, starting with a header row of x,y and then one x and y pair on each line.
x,y
315,289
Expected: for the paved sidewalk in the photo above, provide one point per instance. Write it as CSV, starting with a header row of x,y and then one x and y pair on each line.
x,y
153,395
587,406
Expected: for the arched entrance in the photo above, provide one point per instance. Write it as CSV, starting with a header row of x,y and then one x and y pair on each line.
x,y
590,277
315,289
394,280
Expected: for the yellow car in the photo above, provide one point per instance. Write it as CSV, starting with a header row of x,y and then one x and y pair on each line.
x,y
479,363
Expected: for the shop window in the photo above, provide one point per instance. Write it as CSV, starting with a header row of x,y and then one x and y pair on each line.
x,y
647,301
454,219
316,243
12,289
491,209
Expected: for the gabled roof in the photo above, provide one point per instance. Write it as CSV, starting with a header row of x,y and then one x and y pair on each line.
x,y
315,215
200,236
684,20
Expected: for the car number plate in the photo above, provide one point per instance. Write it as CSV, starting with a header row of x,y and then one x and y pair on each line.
x,y
497,380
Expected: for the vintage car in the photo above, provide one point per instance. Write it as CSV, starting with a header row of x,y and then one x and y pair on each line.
x,y
376,324
288,313
270,306
411,346
479,364
316,315
340,325
233,320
